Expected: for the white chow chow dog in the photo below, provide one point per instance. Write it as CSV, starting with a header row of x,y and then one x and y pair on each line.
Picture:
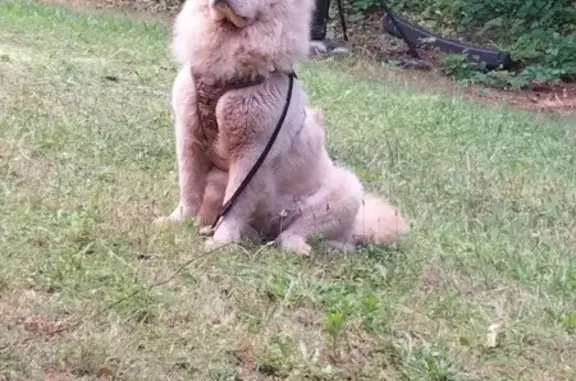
x,y
235,60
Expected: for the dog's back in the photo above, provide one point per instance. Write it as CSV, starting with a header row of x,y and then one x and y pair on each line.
x,y
375,220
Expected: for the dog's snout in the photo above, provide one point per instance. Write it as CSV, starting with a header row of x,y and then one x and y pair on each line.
x,y
232,10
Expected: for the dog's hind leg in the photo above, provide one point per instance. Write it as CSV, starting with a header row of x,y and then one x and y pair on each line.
x,y
295,243
213,198
330,212
331,221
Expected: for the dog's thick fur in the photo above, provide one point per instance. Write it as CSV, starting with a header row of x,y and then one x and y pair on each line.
x,y
298,190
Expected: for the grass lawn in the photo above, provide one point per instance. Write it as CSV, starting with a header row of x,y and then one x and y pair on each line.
x,y
483,289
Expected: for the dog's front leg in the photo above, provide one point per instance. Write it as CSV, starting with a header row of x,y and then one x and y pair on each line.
x,y
193,164
235,225
193,168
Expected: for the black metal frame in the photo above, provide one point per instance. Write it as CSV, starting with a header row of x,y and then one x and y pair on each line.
x,y
320,20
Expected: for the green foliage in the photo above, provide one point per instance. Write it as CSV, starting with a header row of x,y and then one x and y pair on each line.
x,y
334,323
462,70
569,321
539,34
364,5
427,362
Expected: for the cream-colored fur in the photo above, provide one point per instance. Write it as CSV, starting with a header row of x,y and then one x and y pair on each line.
x,y
339,193
297,191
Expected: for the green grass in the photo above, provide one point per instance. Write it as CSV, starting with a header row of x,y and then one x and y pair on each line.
x,y
87,163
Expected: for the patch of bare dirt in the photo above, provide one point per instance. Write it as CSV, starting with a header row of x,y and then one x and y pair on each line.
x,y
250,371
42,327
245,362
54,375
17,316
307,317
432,280
561,98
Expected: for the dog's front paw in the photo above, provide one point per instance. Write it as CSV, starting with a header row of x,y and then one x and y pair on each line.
x,y
300,248
295,244
180,214
211,244
222,237
206,230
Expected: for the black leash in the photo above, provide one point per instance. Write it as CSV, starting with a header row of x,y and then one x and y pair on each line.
x,y
228,204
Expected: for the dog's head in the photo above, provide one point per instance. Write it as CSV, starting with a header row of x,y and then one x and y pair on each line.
x,y
249,36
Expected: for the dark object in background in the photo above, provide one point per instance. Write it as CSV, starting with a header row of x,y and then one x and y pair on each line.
x,y
418,36
319,44
388,13
413,35
320,20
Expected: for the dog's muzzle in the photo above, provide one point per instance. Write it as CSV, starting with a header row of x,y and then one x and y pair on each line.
x,y
226,10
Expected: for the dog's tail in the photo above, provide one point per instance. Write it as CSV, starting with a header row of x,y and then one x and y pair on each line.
x,y
378,222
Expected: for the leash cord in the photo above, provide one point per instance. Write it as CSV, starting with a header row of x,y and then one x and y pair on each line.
x,y
228,204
